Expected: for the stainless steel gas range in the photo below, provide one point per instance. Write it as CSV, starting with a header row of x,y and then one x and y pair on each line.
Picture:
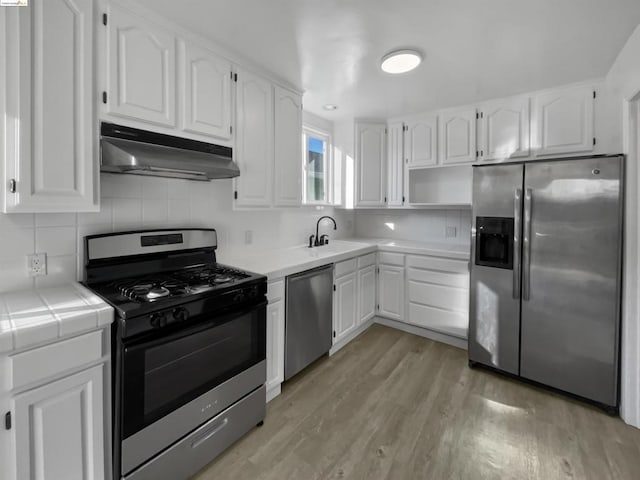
x,y
188,345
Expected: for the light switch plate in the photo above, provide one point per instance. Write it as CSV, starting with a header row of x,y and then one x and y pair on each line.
x,y
451,232
37,265
248,237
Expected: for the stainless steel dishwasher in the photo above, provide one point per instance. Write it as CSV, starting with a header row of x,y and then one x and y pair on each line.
x,y
308,318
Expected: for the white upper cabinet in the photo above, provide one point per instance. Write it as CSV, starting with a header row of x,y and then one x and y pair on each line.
x,y
288,148
421,141
395,165
206,92
47,122
254,141
504,129
141,68
458,136
371,154
564,121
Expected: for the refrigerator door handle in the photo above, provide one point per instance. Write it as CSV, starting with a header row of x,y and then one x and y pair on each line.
x,y
526,250
517,228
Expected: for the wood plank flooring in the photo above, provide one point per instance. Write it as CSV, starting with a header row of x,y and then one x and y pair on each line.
x,y
392,405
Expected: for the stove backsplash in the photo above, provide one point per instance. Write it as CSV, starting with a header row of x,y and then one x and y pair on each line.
x,y
130,202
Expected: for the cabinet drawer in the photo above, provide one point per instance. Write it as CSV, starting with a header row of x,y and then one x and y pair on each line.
x,y
436,263
387,258
451,323
366,260
275,290
460,280
439,296
45,362
343,268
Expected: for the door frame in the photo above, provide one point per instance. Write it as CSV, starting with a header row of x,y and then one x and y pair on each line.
x,y
630,351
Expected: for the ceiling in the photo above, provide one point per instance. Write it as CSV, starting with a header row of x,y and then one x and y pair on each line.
x,y
475,49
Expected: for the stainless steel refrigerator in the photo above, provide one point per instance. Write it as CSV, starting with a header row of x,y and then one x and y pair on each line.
x,y
546,273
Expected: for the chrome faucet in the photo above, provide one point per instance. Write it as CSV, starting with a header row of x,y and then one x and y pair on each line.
x,y
324,239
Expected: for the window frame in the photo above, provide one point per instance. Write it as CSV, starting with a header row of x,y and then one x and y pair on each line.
x,y
328,165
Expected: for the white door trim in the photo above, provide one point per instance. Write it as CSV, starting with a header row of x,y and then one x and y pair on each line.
x,y
630,344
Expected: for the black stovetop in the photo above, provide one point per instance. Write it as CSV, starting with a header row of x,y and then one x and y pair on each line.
x,y
138,295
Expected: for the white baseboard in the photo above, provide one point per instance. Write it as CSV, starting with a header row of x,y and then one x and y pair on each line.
x,y
424,332
361,328
274,392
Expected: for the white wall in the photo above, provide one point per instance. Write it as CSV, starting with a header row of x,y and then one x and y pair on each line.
x,y
623,82
132,202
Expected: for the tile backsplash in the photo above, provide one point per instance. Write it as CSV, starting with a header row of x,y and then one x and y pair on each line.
x,y
417,225
130,202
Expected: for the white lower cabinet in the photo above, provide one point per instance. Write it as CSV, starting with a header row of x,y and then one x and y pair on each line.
x,y
391,285
59,429
57,419
354,301
345,307
438,294
275,337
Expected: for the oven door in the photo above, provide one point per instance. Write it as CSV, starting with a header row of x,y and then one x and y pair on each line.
x,y
173,383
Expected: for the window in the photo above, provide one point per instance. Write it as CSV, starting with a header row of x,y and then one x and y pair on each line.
x,y
317,169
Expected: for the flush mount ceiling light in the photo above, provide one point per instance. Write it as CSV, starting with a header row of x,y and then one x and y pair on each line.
x,y
400,61
330,107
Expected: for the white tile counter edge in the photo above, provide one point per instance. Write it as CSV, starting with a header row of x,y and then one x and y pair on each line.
x,y
34,317
280,262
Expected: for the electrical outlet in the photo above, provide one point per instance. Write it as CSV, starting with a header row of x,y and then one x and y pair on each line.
x,y
451,232
37,264
248,237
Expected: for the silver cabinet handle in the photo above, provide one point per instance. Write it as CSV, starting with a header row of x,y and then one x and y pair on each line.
x,y
517,226
526,250
207,435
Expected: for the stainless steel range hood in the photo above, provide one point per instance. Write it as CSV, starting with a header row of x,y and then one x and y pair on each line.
x,y
129,150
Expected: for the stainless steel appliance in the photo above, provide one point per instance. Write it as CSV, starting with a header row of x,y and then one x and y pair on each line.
x,y
130,150
308,318
189,349
546,273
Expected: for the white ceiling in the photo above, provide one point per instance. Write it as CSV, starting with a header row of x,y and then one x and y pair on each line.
x,y
475,49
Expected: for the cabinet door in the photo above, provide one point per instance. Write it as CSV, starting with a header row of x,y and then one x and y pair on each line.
x,y
370,164
366,293
49,127
275,344
564,121
505,129
141,69
391,292
254,141
288,148
345,307
395,162
420,141
206,92
458,136
59,429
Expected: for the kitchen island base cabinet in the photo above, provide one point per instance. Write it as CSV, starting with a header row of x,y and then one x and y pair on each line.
x,y
59,429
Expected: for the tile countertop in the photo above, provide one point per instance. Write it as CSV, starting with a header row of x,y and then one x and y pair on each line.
x,y
280,262
32,317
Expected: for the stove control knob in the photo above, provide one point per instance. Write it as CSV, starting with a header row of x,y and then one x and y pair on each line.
x,y
253,292
158,320
180,314
239,297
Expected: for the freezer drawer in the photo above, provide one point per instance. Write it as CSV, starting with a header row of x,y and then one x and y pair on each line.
x,y
308,318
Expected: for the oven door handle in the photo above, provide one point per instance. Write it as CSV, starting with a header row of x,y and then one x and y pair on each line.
x,y
517,220
191,329
209,433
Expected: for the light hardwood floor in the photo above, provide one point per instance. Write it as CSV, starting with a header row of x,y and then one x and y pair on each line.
x,y
391,405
